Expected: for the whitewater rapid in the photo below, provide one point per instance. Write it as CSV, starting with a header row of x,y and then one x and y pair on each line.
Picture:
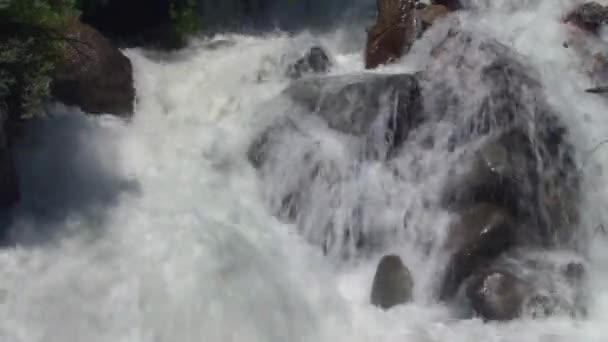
x,y
155,230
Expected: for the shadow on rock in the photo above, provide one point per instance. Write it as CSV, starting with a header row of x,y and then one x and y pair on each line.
x,y
68,168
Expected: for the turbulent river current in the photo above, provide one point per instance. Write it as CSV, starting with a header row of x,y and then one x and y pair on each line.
x,y
159,229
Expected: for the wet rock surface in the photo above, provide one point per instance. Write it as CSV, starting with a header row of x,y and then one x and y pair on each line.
x,y
479,236
510,182
393,283
393,33
315,61
524,161
352,104
497,296
452,5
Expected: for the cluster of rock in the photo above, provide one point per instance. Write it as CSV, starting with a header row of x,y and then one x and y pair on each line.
x,y
514,186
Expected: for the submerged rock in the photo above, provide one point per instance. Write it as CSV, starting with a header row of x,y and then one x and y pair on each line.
x,y
480,235
315,61
497,295
393,33
93,74
589,16
393,283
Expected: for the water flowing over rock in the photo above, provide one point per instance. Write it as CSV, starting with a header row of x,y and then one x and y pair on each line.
x,y
497,296
354,104
393,283
480,235
393,33
520,181
510,163
315,61
93,74
380,109
525,161
375,113
589,16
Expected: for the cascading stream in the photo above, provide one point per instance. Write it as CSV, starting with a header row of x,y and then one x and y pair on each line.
x,y
160,230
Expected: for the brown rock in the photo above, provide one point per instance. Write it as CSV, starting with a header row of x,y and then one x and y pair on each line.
x,y
94,75
393,34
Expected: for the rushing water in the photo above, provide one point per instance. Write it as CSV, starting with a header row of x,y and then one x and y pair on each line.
x,y
156,230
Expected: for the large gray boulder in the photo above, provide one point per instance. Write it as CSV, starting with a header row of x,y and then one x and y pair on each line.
x,y
353,104
372,114
524,161
393,283
514,183
315,61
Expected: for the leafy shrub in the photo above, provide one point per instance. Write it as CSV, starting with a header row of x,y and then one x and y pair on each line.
x,y
30,46
185,21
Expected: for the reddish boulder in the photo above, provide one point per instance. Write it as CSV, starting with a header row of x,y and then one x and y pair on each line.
x,y
393,33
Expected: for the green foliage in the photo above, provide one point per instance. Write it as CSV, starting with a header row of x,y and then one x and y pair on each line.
x,y
30,46
185,21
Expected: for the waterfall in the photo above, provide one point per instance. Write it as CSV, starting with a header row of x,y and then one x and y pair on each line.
x,y
160,229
